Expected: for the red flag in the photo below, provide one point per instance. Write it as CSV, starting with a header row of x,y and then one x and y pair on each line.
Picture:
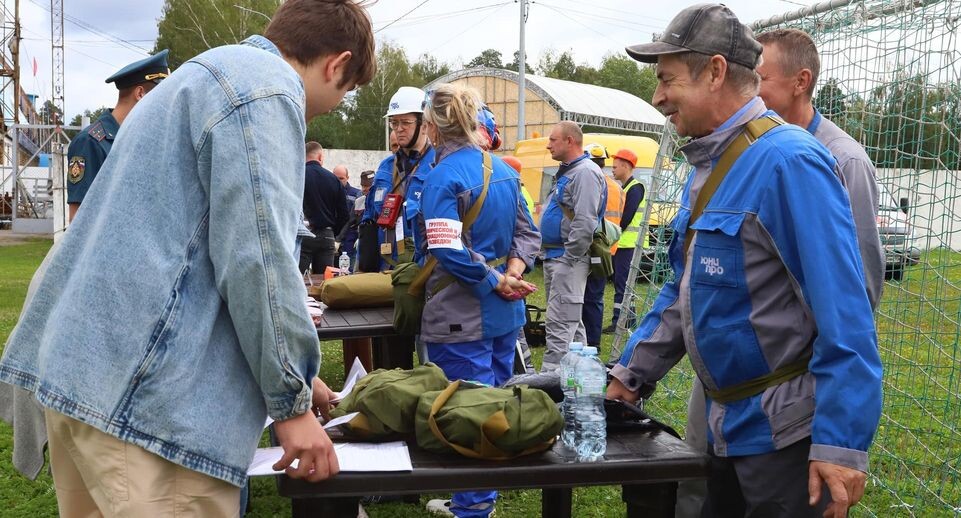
x,y
34,67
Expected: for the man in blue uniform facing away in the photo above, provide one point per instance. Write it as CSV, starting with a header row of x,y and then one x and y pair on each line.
x,y
88,150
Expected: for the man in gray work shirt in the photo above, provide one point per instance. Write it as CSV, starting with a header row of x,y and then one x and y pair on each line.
x,y
574,209
789,70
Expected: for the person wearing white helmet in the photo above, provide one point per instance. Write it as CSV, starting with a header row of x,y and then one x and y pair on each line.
x,y
392,205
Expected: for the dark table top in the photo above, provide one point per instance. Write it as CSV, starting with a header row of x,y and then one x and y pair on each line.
x,y
336,324
636,457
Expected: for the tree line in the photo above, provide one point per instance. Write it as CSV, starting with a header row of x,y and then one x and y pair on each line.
x,y
188,28
904,123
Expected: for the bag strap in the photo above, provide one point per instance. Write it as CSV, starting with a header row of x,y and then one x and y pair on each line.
x,y
417,285
752,131
396,180
569,213
495,426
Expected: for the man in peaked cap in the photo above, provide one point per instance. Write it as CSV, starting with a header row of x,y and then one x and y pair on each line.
x,y
780,335
88,150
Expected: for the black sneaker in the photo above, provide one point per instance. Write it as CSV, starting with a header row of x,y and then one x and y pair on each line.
x,y
609,330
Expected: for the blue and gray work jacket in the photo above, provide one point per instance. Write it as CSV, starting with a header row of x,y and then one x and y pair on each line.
x,y
468,309
759,290
412,169
581,188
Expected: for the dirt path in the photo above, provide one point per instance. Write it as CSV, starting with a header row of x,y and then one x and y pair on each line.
x,y
7,238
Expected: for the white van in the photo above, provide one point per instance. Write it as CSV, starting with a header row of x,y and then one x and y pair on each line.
x,y
897,235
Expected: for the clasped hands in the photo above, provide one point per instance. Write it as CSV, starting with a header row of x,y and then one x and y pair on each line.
x,y
511,285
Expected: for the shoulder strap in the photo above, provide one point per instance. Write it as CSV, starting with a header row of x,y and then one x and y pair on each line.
x,y
417,285
752,131
569,213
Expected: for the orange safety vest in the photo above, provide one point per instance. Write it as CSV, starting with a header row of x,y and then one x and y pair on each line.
x,y
616,198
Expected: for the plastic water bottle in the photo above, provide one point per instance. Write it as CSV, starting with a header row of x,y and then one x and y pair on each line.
x,y
344,263
589,416
569,386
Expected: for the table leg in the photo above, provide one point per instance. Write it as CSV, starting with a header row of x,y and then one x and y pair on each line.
x,y
326,507
391,352
650,500
556,502
357,348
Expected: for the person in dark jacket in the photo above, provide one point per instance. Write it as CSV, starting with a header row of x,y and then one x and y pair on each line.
x,y
325,209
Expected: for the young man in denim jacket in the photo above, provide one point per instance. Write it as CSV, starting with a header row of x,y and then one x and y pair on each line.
x,y
167,324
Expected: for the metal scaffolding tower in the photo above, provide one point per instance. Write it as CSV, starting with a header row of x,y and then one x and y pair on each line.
x,y
56,51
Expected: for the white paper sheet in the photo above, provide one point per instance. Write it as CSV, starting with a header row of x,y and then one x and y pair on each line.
x,y
352,457
357,371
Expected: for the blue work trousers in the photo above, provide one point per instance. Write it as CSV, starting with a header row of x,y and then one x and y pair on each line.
x,y
490,362
622,266
592,313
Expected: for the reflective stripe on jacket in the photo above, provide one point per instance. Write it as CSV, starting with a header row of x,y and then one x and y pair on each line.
x,y
629,236
615,204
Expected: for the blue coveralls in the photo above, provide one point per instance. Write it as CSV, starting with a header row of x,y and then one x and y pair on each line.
x,y
411,166
470,331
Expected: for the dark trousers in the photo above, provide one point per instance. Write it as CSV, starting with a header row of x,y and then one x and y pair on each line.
x,y
592,313
760,486
317,253
622,266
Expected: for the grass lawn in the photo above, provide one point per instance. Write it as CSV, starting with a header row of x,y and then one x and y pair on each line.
x,y
916,459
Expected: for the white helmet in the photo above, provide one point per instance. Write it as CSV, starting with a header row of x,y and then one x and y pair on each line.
x,y
407,100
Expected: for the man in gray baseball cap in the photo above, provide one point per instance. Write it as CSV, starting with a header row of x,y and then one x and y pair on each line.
x,y
780,335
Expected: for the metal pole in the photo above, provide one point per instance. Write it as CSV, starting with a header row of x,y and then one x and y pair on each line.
x,y
521,86
15,54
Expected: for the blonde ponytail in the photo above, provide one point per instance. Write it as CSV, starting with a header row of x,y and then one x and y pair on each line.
x,y
453,110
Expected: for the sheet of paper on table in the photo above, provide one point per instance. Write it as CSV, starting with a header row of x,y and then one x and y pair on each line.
x,y
357,371
352,457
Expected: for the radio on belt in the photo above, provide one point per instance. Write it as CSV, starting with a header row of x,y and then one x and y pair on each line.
x,y
393,204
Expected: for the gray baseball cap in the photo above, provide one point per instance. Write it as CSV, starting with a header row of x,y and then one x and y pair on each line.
x,y
706,29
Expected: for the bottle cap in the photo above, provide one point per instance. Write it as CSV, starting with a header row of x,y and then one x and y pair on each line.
x,y
590,350
576,346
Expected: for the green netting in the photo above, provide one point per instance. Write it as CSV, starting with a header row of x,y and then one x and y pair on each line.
x,y
891,77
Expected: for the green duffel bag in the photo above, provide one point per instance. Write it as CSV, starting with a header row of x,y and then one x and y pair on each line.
x,y
408,281
487,423
387,400
360,290
600,255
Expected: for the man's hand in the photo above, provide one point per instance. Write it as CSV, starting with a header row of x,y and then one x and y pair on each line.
x,y
845,484
320,401
617,390
304,439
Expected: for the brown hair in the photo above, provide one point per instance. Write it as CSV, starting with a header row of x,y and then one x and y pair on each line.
x,y
307,30
453,109
312,148
798,52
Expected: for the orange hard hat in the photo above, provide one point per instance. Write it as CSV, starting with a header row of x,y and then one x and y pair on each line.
x,y
513,162
627,154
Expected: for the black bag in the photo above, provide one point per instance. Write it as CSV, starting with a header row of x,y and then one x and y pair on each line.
x,y
368,247
534,330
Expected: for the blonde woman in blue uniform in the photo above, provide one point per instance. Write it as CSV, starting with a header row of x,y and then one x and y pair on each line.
x,y
473,310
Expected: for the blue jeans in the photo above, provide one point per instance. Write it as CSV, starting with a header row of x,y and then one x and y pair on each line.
x,y
488,361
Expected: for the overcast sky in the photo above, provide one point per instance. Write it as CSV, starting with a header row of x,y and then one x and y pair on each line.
x,y
453,32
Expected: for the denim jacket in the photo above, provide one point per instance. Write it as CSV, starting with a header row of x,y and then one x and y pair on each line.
x,y
172,314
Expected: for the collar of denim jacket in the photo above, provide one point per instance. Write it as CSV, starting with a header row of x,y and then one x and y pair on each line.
x,y
262,43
